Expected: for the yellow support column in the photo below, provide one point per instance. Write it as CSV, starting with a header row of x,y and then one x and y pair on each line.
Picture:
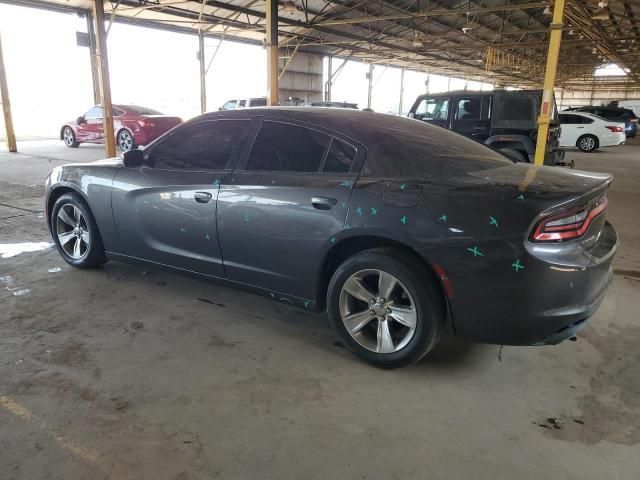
x,y
549,80
6,105
272,52
105,82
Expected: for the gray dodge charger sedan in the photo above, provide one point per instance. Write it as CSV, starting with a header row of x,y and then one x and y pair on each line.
x,y
400,230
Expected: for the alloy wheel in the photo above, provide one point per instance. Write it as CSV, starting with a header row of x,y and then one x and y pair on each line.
x,y
378,311
67,136
72,231
125,140
587,144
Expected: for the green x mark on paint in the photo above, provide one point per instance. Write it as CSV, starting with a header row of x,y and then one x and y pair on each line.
x,y
306,303
443,218
517,266
476,252
359,211
333,239
493,221
207,236
404,220
374,211
520,197
403,186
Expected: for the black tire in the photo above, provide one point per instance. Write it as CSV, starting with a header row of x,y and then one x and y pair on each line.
x,y
425,295
92,255
125,140
587,143
69,137
514,154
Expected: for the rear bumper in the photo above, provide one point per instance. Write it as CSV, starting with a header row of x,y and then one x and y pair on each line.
x,y
554,158
546,302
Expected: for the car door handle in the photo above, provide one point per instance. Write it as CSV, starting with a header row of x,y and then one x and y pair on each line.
x,y
579,127
323,203
202,197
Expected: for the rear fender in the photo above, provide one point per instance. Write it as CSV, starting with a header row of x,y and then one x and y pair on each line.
x,y
525,143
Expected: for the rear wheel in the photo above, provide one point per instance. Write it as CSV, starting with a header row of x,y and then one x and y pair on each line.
x,y
69,138
125,140
513,154
587,143
75,232
384,309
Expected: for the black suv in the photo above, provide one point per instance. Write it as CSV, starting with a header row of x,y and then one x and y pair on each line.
x,y
617,114
505,120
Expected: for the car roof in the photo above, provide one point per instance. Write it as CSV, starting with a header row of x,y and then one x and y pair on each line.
x,y
583,114
359,125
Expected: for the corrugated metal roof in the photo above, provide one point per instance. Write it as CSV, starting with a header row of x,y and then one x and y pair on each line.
x,y
501,41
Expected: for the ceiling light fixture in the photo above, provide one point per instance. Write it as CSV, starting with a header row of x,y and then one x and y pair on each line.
x,y
289,7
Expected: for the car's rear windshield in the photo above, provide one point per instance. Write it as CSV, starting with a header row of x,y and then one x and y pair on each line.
x,y
142,110
405,148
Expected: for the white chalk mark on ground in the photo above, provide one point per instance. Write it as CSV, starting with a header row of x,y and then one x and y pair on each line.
x,y
8,250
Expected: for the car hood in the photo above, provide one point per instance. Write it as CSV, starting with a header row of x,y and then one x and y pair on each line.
x,y
106,162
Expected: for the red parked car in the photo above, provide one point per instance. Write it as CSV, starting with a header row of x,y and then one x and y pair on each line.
x,y
132,126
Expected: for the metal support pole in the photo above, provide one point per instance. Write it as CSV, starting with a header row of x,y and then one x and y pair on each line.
x,y
555,38
203,75
272,51
93,56
426,83
105,83
401,91
327,88
6,105
370,87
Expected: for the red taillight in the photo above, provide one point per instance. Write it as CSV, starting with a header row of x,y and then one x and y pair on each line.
x,y
615,129
145,122
568,225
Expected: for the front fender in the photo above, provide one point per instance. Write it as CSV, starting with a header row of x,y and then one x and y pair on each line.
x,y
93,183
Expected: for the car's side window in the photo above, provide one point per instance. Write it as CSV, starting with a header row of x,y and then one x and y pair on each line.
x,y
230,105
93,113
281,147
469,108
340,157
433,109
206,145
571,119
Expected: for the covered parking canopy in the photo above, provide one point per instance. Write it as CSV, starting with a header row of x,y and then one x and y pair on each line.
x,y
503,41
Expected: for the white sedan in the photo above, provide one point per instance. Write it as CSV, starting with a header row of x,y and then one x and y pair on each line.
x,y
589,132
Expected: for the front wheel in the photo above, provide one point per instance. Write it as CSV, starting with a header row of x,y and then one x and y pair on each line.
x,y
125,140
69,138
587,143
384,309
75,232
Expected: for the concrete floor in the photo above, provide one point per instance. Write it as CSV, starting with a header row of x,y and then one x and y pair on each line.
x,y
130,373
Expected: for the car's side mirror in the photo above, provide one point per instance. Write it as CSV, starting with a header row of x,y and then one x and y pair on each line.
x,y
80,120
132,158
